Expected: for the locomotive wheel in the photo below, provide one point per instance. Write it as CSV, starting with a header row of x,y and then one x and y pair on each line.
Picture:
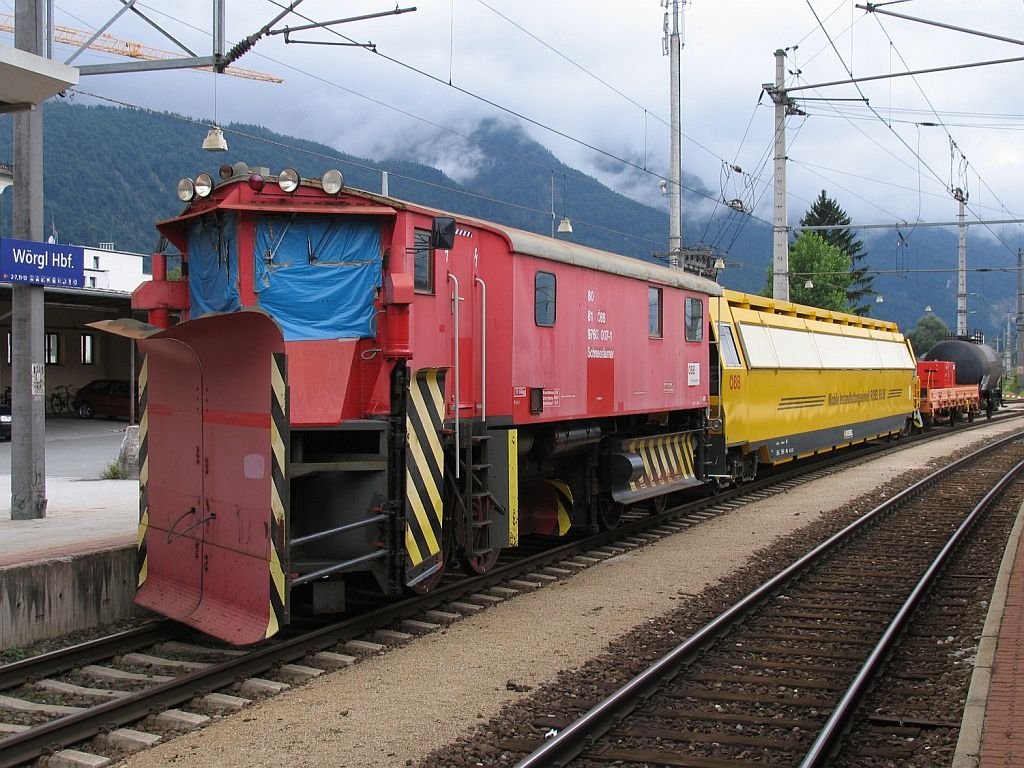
x,y
658,504
480,564
609,514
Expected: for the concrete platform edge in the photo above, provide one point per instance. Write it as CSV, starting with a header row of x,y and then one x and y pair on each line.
x,y
968,746
48,598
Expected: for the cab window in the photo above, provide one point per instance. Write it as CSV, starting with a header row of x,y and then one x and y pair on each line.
x,y
694,319
424,261
727,346
544,299
654,316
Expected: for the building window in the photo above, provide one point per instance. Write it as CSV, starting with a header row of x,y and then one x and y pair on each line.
x,y
87,349
95,262
694,320
654,312
424,261
50,349
544,299
92,281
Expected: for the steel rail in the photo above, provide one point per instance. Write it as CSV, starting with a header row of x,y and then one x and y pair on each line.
x,y
828,738
570,741
20,672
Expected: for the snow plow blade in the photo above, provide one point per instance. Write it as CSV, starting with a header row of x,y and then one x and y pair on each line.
x,y
213,506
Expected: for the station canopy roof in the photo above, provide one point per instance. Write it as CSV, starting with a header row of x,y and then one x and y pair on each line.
x,y
27,80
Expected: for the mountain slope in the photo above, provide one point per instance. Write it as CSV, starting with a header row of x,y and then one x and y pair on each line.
x,y
110,173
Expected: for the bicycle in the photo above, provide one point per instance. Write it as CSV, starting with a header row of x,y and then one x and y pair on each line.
x,y
62,399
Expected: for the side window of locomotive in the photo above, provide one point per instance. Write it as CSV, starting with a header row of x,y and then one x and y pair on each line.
x,y
654,313
727,346
424,262
544,299
694,319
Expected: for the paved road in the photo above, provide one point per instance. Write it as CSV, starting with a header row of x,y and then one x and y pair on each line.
x,y
83,512
76,448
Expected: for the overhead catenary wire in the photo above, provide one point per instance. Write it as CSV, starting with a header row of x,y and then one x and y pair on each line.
x,y
727,223
525,118
953,143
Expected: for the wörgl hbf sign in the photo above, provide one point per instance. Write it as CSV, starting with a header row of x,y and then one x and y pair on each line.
x,y
47,264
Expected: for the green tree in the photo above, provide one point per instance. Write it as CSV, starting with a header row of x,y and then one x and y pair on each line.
x,y
928,332
825,266
825,211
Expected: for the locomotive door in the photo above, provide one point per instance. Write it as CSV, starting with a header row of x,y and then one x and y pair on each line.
x,y
466,332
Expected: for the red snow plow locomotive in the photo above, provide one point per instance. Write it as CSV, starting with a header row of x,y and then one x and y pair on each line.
x,y
360,392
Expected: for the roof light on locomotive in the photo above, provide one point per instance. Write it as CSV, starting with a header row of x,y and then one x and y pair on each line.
x,y
332,181
288,180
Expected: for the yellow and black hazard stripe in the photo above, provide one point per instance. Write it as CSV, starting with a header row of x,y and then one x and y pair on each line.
x,y
667,459
564,502
279,498
424,466
141,554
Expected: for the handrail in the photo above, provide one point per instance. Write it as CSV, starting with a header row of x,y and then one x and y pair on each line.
x,y
483,349
298,541
455,311
347,565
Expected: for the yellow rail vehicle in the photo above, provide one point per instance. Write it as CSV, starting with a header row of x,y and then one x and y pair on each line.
x,y
794,381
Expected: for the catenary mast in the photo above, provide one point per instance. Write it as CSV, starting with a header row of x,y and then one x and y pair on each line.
x,y
672,47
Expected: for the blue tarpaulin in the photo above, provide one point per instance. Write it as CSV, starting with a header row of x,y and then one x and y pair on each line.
x,y
213,265
318,276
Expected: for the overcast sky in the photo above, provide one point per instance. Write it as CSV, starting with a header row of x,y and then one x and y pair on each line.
x,y
594,70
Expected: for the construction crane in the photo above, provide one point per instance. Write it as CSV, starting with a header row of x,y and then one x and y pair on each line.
x,y
110,44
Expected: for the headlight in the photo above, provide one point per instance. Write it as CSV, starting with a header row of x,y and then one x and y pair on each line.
x,y
186,190
5,419
288,180
204,185
332,182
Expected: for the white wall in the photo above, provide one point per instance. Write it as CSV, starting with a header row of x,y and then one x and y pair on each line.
x,y
113,270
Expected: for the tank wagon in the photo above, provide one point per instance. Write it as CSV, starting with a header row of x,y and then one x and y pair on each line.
x,y
977,365
792,381
361,391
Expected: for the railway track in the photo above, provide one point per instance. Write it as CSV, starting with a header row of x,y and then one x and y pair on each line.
x,y
92,693
777,679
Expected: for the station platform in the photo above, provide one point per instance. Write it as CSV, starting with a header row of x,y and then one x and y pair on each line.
x,y
73,569
992,729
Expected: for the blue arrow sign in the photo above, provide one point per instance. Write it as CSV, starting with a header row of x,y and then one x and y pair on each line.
x,y
47,264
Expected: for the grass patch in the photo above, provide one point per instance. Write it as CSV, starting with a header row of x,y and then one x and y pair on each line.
x,y
10,655
114,472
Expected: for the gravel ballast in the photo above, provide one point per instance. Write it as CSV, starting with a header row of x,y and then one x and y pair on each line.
x,y
395,708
